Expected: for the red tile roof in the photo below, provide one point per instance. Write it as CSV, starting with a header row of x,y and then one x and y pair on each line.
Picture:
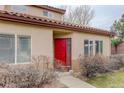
x,y
28,19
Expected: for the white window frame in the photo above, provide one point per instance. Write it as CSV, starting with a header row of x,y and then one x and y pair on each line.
x,y
99,46
17,48
16,41
50,15
88,45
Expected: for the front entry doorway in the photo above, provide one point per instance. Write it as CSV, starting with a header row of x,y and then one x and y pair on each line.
x,y
62,52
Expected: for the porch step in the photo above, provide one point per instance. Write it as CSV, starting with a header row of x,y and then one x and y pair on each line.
x,y
60,74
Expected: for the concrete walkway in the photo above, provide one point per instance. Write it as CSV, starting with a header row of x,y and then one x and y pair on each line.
x,y
72,82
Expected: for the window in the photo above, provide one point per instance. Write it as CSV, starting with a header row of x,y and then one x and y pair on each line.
x,y
68,49
23,49
99,47
47,14
7,48
91,47
86,52
12,48
18,8
50,14
88,47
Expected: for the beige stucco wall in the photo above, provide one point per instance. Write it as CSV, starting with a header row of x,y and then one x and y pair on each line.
x,y
41,38
38,12
78,45
78,42
2,7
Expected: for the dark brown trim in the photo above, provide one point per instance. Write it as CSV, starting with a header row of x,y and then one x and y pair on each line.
x,y
50,8
28,19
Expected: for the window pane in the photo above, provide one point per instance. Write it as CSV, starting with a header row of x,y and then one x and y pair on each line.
x,y
85,42
86,49
50,14
101,47
91,48
68,55
7,48
45,13
97,47
24,49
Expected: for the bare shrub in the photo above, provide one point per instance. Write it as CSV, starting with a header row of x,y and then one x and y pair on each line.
x,y
92,65
27,75
58,64
116,62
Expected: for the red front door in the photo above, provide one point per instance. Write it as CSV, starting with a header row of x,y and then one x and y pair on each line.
x,y
62,51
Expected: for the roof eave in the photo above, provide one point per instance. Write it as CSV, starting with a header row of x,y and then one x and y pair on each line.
x,y
46,23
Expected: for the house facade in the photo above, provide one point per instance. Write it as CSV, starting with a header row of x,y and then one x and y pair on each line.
x,y
27,31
